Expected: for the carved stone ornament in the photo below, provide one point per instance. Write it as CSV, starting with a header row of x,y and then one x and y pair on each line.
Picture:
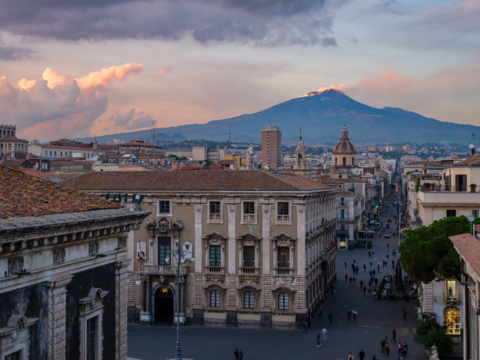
x,y
265,210
93,248
15,265
122,242
58,256
17,332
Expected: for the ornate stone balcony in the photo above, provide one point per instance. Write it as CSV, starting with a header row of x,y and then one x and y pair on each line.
x,y
150,269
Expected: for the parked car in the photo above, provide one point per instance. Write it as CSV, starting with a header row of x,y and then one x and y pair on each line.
x,y
387,236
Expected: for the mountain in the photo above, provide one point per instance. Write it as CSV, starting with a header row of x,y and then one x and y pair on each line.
x,y
321,117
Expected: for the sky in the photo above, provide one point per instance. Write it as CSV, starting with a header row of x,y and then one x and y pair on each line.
x,y
84,67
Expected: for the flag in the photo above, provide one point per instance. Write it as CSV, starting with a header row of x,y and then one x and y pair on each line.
x,y
332,244
140,252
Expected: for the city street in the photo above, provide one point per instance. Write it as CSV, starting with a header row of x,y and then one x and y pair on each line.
x,y
375,320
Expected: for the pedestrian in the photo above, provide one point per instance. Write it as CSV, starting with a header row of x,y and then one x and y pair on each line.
x,y
400,348
240,355
350,281
324,333
373,272
361,284
370,273
387,348
369,254
305,327
236,354
370,283
393,264
354,281
320,311
346,277
364,290
356,270
354,312
404,314
361,354
387,257
349,313
398,357
330,318
382,343
364,267
374,357
345,264
350,357
376,280
318,340
394,335
373,253
378,267
405,348
371,264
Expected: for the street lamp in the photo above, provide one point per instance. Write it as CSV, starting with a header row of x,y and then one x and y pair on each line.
x,y
179,256
131,273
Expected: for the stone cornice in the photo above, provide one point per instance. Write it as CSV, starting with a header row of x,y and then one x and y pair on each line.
x,y
27,233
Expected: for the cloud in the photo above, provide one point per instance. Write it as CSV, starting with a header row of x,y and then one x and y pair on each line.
x,y
14,53
262,23
163,70
450,94
329,41
57,105
128,122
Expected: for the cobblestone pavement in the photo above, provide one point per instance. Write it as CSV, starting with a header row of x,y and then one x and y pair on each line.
x,y
375,320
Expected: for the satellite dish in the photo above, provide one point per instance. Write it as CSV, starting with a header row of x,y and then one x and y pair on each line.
x,y
471,146
471,218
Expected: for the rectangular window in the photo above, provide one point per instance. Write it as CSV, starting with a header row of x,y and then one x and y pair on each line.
x,y
475,213
249,211
249,256
342,215
451,213
17,355
164,207
342,201
215,257
283,301
215,210
91,338
164,247
283,260
283,212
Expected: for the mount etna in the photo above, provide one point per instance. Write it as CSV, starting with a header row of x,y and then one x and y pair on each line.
x,y
321,117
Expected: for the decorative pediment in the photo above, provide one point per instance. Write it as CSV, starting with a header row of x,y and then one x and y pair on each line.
x,y
17,328
93,300
215,235
164,224
249,235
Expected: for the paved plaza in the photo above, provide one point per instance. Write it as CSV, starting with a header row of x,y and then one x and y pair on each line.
x,y
375,320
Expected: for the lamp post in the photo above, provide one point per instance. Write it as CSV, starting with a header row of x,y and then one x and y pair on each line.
x,y
179,256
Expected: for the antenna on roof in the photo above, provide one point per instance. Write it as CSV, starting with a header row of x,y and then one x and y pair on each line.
x,y
300,134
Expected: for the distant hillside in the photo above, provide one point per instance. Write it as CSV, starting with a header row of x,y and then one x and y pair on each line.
x,y
321,118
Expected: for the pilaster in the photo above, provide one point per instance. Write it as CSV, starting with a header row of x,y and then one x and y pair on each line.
x,y
57,300
121,317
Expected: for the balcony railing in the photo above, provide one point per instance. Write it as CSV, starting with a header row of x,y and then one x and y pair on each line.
x,y
248,217
162,269
283,218
215,269
450,188
215,217
249,271
283,271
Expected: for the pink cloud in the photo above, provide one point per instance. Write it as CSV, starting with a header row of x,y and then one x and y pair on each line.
x,y
56,105
163,70
448,95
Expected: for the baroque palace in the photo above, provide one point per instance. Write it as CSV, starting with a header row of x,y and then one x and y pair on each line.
x,y
259,245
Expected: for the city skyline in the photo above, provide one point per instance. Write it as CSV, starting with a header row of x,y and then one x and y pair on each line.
x,y
77,70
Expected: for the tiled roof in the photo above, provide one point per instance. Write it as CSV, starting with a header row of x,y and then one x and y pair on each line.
x,y
327,180
469,248
13,163
471,161
200,180
12,138
65,147
70,163
25,195
135,143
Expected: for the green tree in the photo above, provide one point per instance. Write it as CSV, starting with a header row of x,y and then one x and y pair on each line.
x,y
429,332
427,252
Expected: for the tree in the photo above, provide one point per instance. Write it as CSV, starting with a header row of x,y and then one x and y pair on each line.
x,y
427,252
429,332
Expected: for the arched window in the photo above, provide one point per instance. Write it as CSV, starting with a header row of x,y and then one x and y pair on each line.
x,y
336,161
451,319
353,161
249,300
344,161
283,303
215,298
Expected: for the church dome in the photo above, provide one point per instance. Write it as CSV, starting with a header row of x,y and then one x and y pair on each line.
x,y
345,146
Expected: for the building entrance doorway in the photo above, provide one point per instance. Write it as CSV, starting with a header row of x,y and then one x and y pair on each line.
x,y
164,306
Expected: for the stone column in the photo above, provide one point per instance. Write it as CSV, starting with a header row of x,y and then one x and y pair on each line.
x,y
121,316
57,299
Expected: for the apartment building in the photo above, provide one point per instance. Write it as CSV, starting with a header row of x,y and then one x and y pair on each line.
x,y
271,147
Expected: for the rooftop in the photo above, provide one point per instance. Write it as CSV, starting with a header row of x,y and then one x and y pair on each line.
x,y
468,247
26,195
471,161
65,147
194,180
